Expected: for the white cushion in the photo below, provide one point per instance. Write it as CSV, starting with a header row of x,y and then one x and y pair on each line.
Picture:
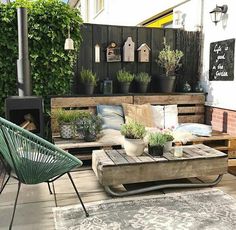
x,y
158,116
195,129
171,116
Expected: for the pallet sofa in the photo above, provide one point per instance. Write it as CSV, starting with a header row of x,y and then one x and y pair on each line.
x,y
191,109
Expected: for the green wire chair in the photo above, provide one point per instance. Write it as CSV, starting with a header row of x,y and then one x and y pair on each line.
x,y
33,160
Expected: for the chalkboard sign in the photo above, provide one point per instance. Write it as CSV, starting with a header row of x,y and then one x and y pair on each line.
x,y
222,60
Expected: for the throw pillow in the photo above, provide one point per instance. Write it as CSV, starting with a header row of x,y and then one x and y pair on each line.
x,y
112,116
171,116
195,129
158,116
139,113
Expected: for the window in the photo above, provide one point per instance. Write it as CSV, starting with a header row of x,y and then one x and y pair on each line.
x,y
163,21
99,6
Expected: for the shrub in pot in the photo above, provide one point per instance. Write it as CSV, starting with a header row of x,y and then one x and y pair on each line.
x,y
91,127
124,78
170,60
66,120
156,142
143,80
89,80
81,115
133,133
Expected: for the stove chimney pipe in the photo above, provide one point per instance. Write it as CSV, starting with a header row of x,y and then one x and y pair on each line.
x,y
23,66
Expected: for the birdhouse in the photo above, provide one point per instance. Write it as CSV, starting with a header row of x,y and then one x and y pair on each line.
x,y
128,50
143,53
113,53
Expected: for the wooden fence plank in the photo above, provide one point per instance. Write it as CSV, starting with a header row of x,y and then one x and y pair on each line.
x,y
157,46
99,35
85,58
114,35
104,34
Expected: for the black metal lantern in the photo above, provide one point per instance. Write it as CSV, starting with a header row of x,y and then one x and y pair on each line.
x,y
216,14
107,87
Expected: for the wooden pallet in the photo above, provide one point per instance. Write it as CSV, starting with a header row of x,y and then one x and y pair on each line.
x,y
190,109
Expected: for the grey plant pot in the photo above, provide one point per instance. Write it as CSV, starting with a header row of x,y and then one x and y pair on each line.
x,y
166,83
88,89
124,87
142,87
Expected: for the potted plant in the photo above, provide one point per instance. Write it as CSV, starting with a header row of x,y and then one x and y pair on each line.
x,y
169,138
89,80
124,78
143,80
133,133
170,61
91,127
156,142
81,115
66,120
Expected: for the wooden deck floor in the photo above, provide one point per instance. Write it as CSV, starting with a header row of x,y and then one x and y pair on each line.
x,y
34,209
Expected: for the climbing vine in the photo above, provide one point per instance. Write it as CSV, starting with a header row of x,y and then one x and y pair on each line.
x,y
51,66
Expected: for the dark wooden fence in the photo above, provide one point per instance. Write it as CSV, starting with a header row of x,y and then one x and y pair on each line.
x,y
93,34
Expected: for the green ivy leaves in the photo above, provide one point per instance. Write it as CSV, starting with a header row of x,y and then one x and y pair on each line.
x,y
51,66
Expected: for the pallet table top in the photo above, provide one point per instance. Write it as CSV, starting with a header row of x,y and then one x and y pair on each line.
x,y
114,167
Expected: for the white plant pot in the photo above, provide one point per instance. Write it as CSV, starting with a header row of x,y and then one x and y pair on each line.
x,y
134,147
167,146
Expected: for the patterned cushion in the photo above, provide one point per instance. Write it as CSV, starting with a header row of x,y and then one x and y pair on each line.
x,y
112,116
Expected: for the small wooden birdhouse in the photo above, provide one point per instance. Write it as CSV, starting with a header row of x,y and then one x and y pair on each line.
x,y
113,53
143,53
128,50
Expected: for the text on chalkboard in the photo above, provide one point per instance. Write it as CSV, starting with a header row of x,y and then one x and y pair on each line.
x,y
222,60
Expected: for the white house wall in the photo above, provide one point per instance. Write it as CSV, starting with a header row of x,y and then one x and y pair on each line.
x,y
128,12
220,93
189,15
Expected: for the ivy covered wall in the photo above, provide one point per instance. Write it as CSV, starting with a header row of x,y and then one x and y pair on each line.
x,y
51,65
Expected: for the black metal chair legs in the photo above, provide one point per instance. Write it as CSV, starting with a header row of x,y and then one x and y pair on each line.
x,y
5,183
86,213
49,188
51,192
14,209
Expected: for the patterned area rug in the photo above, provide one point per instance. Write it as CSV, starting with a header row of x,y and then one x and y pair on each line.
x,y
209,209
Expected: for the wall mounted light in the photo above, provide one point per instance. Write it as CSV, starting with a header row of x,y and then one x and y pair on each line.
x,y
217,13
69,43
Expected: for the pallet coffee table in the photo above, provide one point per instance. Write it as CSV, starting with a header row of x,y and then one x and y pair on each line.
x,y
114,167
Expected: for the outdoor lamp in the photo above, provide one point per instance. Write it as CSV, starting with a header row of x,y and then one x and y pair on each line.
x,y
69,43
216,14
